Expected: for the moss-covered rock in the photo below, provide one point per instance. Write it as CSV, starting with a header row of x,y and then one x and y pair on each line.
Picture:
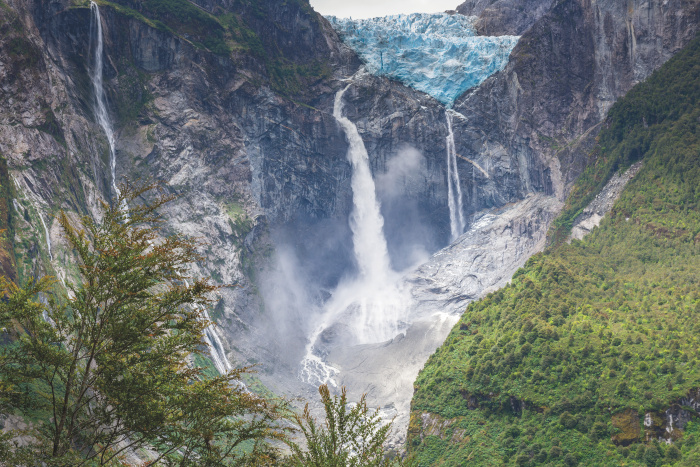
x,y
628,428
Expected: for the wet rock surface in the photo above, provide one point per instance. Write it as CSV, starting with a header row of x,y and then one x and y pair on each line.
x,y
499,17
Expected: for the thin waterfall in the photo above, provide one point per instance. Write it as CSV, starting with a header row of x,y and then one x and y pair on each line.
x,y
211,338
41,217
454,188
100,99
218,355
46,232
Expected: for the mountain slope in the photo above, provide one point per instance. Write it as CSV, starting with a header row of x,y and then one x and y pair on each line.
x,y
589,355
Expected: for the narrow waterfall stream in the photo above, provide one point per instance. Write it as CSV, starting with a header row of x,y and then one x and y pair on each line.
x,y
41,217
454,188
100,99
216,348
218,355
46,233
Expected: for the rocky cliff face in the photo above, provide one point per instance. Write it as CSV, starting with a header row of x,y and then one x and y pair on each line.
x,y
236,118
248,139
504,17
567,70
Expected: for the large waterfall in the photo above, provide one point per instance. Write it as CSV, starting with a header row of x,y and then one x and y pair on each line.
x,y
454,189
100,100
366,220
371,306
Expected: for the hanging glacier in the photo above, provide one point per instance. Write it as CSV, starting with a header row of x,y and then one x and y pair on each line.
x,y
436,53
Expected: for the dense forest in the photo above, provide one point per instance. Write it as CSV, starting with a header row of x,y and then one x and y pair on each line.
x,y
592,348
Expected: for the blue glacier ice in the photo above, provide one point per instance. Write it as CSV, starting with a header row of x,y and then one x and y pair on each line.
x,y
436,53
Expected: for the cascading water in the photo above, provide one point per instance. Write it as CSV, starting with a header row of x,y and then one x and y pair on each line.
x,y
366,221
372,304
46,232
440,54
100,99
454,188
218,356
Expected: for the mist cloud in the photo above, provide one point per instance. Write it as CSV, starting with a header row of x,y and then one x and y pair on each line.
x,y
410,236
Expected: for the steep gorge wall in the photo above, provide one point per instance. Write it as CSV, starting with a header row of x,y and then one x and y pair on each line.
x,y
569,67
247,140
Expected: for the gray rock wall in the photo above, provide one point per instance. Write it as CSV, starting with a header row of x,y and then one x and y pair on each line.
x,y
541,114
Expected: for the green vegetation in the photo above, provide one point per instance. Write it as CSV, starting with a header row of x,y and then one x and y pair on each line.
x,y
52,127
179,17
223,33
189,20
8,262
133,93
106,366
351,437
240,223
632,126
23,51
21,56
118,363
220,34
291,79
561,366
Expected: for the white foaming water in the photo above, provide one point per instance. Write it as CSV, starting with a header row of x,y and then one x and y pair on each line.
x,y
211,338
374,294
454,189
314,370
218,356
100,100
366,221
372,305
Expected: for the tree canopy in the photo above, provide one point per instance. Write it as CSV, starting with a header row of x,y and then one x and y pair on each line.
x,y
105,366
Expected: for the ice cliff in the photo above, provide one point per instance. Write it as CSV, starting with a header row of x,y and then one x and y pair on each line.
x,y
437,53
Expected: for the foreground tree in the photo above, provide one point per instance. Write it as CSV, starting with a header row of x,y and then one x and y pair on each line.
x,y
109,365
351,436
